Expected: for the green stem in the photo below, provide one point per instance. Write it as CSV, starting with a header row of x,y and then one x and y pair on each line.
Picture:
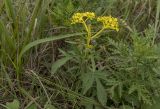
x,y
99,32
85,26
88,37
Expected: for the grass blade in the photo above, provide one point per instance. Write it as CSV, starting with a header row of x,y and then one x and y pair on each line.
x,y
9,10
34,43
157,16
11,14
59,63
33,18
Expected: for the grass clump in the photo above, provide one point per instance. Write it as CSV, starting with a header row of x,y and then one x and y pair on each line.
x,y
100,62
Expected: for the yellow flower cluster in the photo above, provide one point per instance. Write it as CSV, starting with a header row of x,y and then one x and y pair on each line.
x,y
79,17
109,22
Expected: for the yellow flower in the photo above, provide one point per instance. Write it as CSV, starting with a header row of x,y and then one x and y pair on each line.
x,y
80,17
89,15
109,22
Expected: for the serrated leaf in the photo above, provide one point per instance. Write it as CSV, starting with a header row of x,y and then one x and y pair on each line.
x,y
101,93
13,105
59,63
70,6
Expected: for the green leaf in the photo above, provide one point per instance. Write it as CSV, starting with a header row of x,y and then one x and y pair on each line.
x,y
70,6
156,105
100,74
6,38
9,9
126,107
101,93
32,106
39,41
120,89
89,106
132,89
59,63
49,106
13,105
132,99
88,80
33,17
1,6
98,107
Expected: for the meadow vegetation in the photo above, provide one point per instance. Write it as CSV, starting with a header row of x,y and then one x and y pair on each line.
x,y
79,54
